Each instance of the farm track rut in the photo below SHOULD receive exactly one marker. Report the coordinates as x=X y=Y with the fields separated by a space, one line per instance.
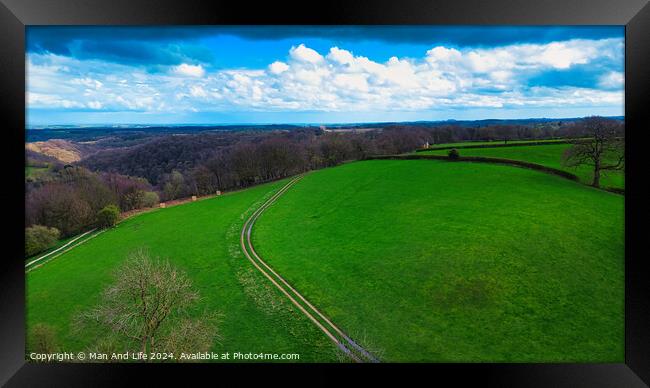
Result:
x=333 y=332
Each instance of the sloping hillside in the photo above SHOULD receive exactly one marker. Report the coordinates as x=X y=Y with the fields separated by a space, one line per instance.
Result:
x=200 y=238
x=455 y=262
x=62 y=150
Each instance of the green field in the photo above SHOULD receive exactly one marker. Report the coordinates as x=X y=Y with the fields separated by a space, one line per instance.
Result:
x=430 y=260
x=547 y=155
x=200 y=238
x=31 y=171
x=418 y=260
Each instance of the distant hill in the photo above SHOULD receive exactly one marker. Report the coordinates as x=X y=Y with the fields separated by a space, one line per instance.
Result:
x=84 y=134
x=467 y=123
x=92 y=133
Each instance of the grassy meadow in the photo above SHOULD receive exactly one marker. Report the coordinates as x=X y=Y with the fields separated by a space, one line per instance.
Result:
x=201 y=238
x=547 y=155
x=31 y=171
x=425 y=260
x=418 y=260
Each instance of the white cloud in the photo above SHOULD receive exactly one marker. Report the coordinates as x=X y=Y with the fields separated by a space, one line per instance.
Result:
x=443 y=78
x=303 y=53
x=88 y=82
x=51 y=100
x=340 y=56
x=278 y=67
x=612 y=80
x=351 y=81
x=95 y=105
x=311 y=76
x=197 y=91
x=189 y=70
x=561 y=55
x=443 y=54
x=522 y=57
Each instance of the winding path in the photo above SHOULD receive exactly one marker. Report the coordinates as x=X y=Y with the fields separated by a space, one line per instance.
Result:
x=340 y=339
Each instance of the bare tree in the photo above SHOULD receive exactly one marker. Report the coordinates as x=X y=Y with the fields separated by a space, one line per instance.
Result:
x=147 y=307
x=58 y=205
x=203 y=181
x=245 y=163
x=603 y=150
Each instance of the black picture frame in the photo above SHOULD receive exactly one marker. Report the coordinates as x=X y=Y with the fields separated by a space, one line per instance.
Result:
x=634 y=14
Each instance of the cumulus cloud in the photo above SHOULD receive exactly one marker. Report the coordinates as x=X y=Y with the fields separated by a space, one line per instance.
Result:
x=303 y=53
x=337 y=81
x=340 y=56
x=189 y=70
x=351 y=81
x=278 y=67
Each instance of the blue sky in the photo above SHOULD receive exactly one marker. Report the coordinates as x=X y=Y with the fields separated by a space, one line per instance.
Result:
x=309 y=74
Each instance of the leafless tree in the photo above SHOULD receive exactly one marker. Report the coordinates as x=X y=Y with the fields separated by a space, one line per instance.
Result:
x=58 y=205
x=603 y=150
x=203 y=181
x=147 y=307
x=245 y=163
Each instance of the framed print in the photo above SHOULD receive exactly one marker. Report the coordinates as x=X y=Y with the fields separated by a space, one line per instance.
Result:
x=376 y=188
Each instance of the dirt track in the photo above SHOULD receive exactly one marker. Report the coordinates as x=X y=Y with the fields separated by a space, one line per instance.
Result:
x=342 y=340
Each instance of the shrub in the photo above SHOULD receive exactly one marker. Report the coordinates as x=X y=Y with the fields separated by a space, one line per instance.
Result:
x=453 y=154
x=150 y=199
x=108 y=216
x=39 y=238
x=132 y=199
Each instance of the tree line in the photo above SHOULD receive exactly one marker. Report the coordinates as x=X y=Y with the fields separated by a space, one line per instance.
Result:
x=198 y=164
x=180 y=166
x=70 y=199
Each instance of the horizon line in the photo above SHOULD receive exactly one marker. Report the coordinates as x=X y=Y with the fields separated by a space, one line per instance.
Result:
x=100 y=125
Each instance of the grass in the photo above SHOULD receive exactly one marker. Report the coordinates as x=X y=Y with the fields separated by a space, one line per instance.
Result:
x=547 y=155
x=459 y=262
x=31 y=171
x=201 y=238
